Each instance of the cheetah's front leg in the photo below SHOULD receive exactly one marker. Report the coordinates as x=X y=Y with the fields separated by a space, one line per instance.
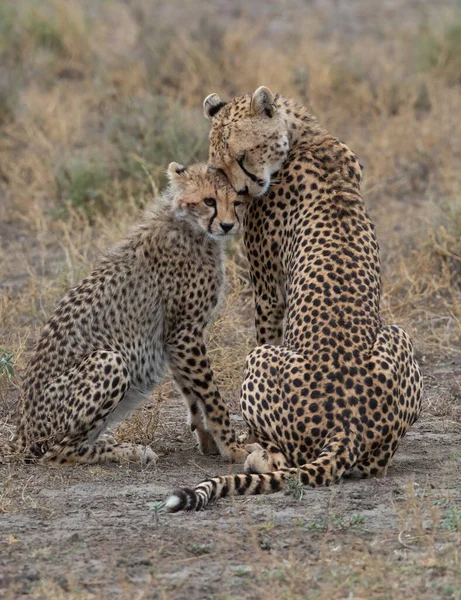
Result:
x=269 y=289
x=269 y=314
x=208 y=414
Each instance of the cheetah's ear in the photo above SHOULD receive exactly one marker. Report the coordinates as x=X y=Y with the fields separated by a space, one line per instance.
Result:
x=262 y=102
x=175 y=170
x=212 y=105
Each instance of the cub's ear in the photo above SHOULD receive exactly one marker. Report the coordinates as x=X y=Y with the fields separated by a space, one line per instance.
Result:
x=175 y=171
x=212 y=105
x=262 y=102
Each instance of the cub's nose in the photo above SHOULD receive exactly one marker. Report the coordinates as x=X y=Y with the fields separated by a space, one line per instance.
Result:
x=226 y=227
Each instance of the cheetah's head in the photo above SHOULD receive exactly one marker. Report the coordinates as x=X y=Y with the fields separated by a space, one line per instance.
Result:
x=248 y=139
x=203 y=197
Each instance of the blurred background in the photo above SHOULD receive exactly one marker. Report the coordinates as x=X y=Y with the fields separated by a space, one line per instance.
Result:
x=97 y=97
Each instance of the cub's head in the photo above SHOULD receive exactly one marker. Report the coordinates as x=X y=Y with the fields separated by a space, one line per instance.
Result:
x=203 y=197
x=248 y=139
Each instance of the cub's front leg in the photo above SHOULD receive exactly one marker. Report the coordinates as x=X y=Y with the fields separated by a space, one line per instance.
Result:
x=208 y=414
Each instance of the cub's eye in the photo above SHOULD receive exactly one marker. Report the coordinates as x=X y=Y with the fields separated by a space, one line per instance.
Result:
x=209 y=201
x=238 y=203
x=241 y=157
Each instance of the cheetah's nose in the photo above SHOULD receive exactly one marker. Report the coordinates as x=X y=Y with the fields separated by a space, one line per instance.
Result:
x=226 y=227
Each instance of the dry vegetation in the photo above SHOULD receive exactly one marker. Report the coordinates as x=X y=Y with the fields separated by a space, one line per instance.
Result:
x=97 y=97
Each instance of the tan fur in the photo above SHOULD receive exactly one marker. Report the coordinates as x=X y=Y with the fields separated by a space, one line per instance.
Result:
x=329 y=388
x=142 y=310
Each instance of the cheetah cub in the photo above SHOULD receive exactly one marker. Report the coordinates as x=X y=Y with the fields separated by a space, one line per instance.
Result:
x=142 y=310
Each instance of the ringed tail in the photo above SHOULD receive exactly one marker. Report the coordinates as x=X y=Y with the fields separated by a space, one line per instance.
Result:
x=330 y=465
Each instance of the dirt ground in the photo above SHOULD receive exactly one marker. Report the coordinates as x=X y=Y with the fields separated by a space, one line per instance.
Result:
x=87 y=532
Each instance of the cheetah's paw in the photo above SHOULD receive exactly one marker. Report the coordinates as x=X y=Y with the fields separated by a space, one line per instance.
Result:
x=259 y=461
x=255 y=447
x=236 y=454
x=146 y=455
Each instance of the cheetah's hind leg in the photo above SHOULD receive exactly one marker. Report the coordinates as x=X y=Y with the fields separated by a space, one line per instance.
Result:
x=397 y=378
x=85 y=400
x=103 y=450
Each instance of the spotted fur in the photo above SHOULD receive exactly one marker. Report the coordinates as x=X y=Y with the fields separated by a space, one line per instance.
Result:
x=329 y=389
x=142 y=310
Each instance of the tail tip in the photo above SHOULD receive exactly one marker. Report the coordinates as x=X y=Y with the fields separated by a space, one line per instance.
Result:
x=183 y=499
x=174 y=503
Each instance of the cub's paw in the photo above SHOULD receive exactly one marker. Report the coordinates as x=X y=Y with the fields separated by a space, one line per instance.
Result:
x=108 y=437
x=146 y=455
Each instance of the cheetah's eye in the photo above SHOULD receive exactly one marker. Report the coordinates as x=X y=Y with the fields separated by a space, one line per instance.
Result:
x=238 y=203
x=241 y=157
x=209 y=201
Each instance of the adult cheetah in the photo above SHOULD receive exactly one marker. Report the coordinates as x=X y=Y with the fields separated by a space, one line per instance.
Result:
x=329 y=389
x=144 y=308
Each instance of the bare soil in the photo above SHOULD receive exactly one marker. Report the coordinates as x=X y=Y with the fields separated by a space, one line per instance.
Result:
x=89 y=531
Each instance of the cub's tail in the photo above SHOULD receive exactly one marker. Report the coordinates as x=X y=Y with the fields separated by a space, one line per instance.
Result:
x=336 y=458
